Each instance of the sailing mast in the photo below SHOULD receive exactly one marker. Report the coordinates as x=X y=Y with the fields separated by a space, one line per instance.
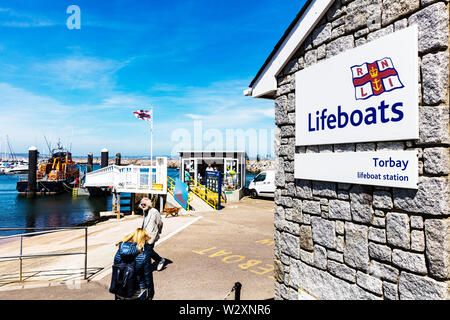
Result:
x=11 y=152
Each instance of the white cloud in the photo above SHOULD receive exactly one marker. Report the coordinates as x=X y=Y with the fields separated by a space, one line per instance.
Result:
x=220 y=105
x=193 y=116
x=80 y=72
x=122 y=100
x=14 y=19
x=27 y=116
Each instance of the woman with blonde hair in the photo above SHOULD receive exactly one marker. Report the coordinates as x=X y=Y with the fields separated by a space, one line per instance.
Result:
x=132 y=269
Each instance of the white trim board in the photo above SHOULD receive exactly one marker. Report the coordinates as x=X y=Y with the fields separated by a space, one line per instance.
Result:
x=266 y=83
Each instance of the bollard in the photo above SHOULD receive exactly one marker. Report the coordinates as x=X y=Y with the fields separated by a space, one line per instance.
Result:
x=237 y=291
x=104 y=160
x=90 y=162
x=161 y=203
x=114 y=201
x=132 y=202
x=118 y=158
x=32 y=168
x=118 y=205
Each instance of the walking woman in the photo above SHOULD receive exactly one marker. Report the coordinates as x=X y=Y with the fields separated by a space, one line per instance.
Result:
x=134 y=252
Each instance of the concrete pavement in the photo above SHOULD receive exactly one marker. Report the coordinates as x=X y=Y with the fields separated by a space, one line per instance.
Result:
x=219 y=250
x=101 y=249
x=207 y=258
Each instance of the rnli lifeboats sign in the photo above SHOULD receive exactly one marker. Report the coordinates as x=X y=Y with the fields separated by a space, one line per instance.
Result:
x=369 y=93
x=381 y=168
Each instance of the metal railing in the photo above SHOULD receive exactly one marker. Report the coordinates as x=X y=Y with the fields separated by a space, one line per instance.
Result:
x=170 y=185
x=208 y=196
x=22 y=256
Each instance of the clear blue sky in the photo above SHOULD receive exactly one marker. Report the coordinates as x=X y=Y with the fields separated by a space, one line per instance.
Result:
x=191 y=60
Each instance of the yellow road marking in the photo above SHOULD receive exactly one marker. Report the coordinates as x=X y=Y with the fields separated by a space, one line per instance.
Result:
x=235 y=258
x=227 y=259
x=220 y=253
x=203 y=251
x=265 y=270
x=269 y=242
x=249 y=264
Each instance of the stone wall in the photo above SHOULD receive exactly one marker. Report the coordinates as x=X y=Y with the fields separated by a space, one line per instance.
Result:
x=343 y=241
x=254 y=166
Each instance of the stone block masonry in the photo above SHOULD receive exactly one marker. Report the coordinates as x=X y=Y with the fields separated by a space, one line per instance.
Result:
x=343 y=241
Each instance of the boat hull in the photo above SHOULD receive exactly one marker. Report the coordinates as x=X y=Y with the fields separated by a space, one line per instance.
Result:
x=16 y=171
x=45 y=187
x=98 y=191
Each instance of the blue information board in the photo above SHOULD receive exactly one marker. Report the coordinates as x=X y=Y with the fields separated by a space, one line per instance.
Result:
x=214 y=183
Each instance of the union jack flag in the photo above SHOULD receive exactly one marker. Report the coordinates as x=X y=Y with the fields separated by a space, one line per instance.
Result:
x=145 y=115
x=373 y=79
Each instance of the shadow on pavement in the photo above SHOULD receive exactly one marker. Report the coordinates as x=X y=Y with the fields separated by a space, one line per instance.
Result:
x=59 y=275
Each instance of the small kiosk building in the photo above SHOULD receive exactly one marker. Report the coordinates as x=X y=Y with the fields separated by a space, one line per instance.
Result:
x=230 y=164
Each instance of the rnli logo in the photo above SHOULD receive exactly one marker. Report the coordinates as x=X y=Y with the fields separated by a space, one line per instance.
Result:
x=373 y=79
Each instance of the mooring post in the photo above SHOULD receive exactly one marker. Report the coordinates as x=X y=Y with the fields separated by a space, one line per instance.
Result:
x=104 y=160
x=132 y=204
x=237 y=291
x=32 y=168
x=118 y=159
x=114 y=202
x=161 y=204
x=90 y=162
x=118 y=206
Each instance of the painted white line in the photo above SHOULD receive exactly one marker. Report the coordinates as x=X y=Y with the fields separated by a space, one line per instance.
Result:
x=108 y=269
x=170 y=235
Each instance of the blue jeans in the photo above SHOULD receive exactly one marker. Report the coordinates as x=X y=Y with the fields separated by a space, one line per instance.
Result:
x=153 y=253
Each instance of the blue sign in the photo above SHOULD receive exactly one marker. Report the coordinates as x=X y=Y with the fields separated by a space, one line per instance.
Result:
x=214 y=183
x=181 y=193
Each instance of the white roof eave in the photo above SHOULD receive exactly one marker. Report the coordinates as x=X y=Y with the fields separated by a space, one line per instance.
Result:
x=266 y=84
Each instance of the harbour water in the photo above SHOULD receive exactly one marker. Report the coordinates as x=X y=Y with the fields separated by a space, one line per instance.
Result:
x=51 y=211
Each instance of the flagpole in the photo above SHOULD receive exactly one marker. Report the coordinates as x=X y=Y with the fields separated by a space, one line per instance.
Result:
x=151 y=138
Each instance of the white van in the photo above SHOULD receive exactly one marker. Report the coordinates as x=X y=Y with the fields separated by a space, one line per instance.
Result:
x=263 y=185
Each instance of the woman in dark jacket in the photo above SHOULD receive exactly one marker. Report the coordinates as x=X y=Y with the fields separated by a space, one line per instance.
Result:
x=135 y=247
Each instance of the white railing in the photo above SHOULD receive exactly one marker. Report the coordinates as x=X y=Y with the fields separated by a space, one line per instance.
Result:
x=104 y=177
x=135 y=179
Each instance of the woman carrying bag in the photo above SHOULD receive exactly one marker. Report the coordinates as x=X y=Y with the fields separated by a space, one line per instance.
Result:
x=132 y=277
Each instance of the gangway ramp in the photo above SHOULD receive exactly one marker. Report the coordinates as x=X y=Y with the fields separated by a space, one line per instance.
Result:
x=201 y=193
x=200 y=199
x=195 y=203
x=199 y=205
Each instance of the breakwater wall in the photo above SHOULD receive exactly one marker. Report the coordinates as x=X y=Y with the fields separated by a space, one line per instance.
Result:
x=253 y=166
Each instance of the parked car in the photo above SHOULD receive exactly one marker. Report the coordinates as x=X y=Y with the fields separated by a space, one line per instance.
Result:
x=263 y=185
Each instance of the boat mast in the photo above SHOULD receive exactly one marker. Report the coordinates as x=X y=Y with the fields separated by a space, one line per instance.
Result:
x=4 y=153
x=49 y=146
x=11 y=152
